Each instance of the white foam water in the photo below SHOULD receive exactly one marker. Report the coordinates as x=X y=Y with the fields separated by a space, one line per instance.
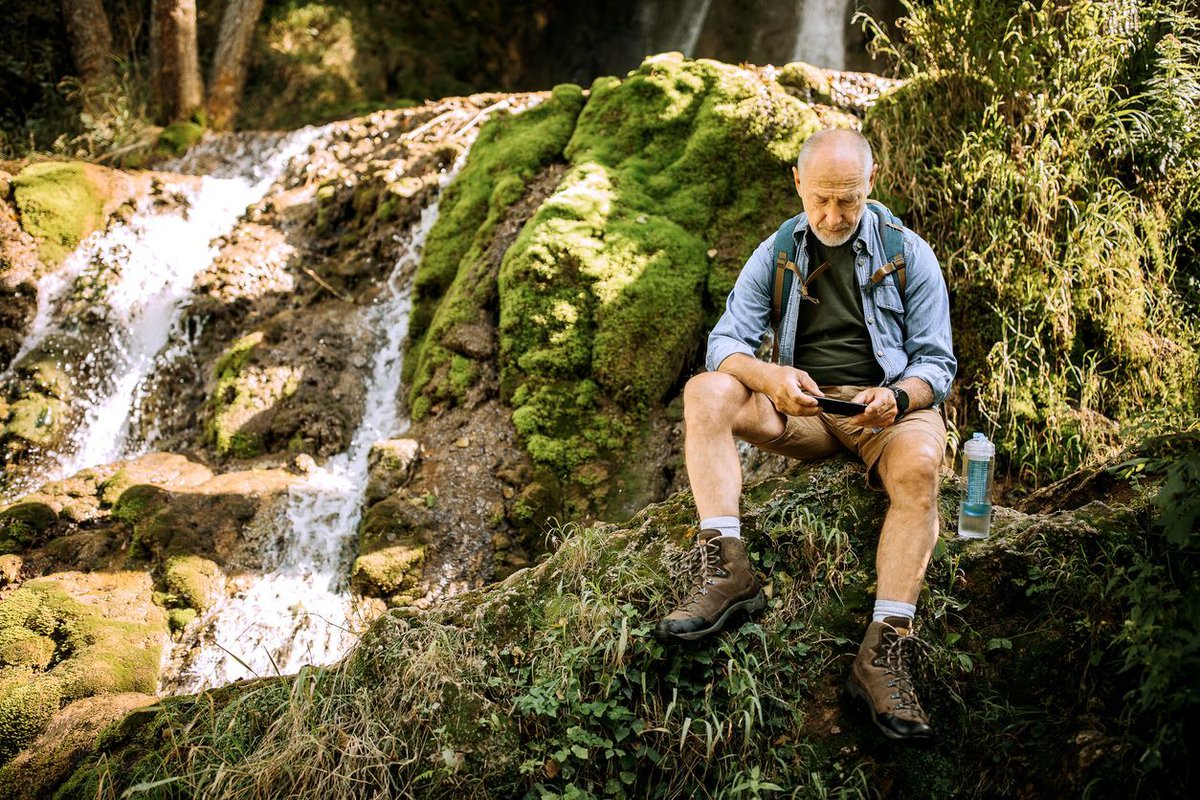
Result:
x=301 y=610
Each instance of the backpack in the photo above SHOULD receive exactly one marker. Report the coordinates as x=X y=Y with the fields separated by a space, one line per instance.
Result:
x=786 y=271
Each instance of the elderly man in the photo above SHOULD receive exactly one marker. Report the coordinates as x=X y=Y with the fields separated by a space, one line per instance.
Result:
x=852 y=327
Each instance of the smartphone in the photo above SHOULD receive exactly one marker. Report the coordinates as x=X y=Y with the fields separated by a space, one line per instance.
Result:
x=842 y=408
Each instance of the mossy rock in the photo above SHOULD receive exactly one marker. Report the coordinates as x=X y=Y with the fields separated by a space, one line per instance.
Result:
x=806 y=82
x=178 y=137
x=673 y=176
x=61 y=203
x=195 y=581
x=180 y=618
x=32 y=651
x=388 y=570
x=80 y=635
x=137 y=502
x=25 y=525
x=27 y=705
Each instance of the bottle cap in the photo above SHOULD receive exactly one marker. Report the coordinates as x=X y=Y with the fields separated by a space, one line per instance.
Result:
x=979 y=447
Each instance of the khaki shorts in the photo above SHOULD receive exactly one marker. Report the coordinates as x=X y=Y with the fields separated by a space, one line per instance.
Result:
x=820 y=436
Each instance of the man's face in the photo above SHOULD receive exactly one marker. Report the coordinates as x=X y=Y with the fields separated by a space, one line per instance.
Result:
x=834 y=190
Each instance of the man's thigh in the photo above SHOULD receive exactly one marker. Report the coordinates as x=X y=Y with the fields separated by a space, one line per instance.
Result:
x=795 y=437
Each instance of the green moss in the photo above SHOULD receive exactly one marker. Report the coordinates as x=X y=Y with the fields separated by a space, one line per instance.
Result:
x=452 y=278
x=180 y=618
x=32 y=651
x=136 y=502
x=35 y=419
x=388 y=570
x=25 y=525
x=26 y=705
x=232 y=401
x=196 y=581
x=178 y=137
x=60 y=204
x=87 y=650
x=602 y=297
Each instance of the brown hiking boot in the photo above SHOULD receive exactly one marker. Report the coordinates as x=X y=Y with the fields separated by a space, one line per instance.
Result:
x=725 y=586
x=882 y=676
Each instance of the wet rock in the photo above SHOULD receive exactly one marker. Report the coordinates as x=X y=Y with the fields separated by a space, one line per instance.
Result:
x=390 y=465
x=392 y=541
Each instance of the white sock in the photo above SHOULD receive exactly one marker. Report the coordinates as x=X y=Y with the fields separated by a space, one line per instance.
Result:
x=728 y=526
x=893 y=608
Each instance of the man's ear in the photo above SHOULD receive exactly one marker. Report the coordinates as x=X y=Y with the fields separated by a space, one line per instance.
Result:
x=796 y=177
x=871 y=178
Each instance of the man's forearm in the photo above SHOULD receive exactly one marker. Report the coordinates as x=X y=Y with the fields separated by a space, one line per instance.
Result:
x=920 y=393
x=754 y=374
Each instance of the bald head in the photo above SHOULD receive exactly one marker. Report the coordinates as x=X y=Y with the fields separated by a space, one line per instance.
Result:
x=848 y=149
x=834 y=175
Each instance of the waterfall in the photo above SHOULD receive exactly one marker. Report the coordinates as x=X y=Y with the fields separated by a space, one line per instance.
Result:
x=821 y=33
x=146 y=267
x=300 y=611
x=675 y=25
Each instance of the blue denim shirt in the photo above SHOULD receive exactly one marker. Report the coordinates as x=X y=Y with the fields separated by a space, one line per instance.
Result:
x=910 y=339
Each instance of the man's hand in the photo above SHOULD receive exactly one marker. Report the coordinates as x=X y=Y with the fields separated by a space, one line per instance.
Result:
x=792 y=390
x=881 y=407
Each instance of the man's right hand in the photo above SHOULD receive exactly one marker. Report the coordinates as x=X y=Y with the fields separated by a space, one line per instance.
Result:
x=792 y=390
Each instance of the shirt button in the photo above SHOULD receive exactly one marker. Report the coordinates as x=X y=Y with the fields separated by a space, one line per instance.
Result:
x=870 y=320
x=879 y=353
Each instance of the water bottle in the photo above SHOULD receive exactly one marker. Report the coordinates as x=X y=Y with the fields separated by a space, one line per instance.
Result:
x=975 y=511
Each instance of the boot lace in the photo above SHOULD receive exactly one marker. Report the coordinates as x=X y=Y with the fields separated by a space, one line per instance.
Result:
x=899 y=653
x=709 y=556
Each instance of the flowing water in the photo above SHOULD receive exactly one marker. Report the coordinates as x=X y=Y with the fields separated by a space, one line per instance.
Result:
x=142 y=271
x=821 y=33
x=301 y=611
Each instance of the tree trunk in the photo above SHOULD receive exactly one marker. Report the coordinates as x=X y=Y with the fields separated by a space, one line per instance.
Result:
x=228 y=74
x=174 y=59
x=91 y=40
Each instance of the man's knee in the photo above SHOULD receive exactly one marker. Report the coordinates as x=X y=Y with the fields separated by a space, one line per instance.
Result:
x=712 y=396
x=911 y=469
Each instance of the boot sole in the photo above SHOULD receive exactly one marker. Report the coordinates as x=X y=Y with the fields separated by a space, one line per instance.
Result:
x=857 y=692
x=749 y=605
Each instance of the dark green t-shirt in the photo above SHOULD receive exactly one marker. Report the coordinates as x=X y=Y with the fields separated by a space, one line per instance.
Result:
x=832 y=344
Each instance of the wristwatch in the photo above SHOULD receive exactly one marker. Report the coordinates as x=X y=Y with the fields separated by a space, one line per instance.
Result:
x=901 y=400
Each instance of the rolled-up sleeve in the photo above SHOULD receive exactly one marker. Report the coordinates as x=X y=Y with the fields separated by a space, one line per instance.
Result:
x=928 y=340
x=747 y=314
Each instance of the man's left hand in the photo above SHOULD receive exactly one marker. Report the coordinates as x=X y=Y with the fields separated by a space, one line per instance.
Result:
x=881 y=407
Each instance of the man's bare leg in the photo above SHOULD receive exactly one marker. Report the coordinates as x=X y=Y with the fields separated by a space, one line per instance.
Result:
x=909 y=468
x=718 y=408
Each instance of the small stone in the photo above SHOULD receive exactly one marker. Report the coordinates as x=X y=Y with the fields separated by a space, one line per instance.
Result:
x=712 y=253
x=10 y=570
x=303 y=463
x=509 y=493
x=462 y=442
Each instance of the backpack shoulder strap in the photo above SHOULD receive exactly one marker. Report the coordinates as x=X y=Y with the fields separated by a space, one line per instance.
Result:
x=785 y=272
x=891 y=230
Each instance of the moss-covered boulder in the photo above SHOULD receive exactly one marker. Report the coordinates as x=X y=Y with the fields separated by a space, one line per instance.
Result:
x=673 y=175
x=23 y=525
x=291 y=385
x=390 y=465
x=72 y=635
x=393 y=538
x=61 y=203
